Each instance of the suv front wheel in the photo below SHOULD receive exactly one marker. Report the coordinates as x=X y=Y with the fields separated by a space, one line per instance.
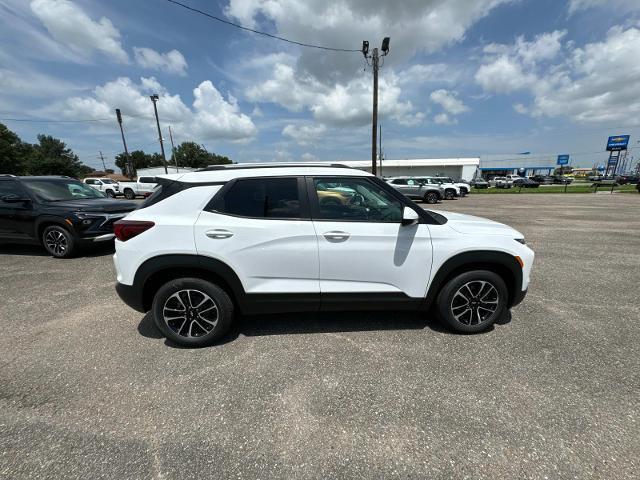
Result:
x=472 y=301
x=431 y=197
x=58 y=241
x=192 y=312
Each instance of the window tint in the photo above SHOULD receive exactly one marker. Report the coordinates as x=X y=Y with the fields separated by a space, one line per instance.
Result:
x=355 y=199
x=10 y=188
x=262 y=198
x=90 y=182
x=146 y=180
x=399 y=181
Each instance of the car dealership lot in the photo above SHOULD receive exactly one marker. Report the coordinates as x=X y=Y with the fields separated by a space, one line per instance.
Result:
x=89 y=389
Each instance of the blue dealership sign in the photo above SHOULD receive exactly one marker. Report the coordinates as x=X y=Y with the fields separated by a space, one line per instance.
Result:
x=618 y=142
x=563 y=159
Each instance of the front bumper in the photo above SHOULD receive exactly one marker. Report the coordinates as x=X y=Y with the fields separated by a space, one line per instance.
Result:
x=518 y=297
x=130 y=295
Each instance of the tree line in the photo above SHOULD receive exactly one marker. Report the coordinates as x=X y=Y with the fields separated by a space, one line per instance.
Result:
x=187 y=154
x=51 y=156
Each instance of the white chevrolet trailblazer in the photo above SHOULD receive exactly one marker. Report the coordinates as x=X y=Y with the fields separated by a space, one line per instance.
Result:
x=306 y=237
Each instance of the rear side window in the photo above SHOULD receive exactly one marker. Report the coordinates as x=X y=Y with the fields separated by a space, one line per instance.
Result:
x=147 y=180
x=261 y=198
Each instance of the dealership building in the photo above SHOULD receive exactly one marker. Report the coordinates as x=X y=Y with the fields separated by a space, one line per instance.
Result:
x=448 y=167
x=524 y=165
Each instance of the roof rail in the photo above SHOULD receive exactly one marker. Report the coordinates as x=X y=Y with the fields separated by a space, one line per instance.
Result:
x=6 y=175
x=244 y=166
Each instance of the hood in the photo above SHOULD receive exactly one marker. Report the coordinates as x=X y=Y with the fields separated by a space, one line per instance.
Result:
x=468 y=224
x=106 y=205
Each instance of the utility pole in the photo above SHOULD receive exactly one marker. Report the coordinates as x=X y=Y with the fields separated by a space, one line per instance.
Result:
x=126 y=152
x=154 y=98
x=104 y=167
x=375 y=65
x=380 y=149
x=173 y=149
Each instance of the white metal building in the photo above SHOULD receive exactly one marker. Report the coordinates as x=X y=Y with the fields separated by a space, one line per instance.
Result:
x=153 y=171
x=449 y=167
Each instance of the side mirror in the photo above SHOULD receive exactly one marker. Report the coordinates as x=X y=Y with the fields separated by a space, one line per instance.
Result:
x=409 y=216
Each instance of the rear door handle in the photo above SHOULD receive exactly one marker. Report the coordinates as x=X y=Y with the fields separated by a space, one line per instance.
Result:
x=218 y=234
x=336 y=236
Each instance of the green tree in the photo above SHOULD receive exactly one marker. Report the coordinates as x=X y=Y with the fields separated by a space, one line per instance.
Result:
x=51 y=156
x=190 y=154
x=13 y=152
x=139 y=159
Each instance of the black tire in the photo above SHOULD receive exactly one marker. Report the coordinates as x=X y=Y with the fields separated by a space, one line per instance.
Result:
x=431 y=197
x=197 y=329
x=58 y=241
x=129 y=194
x=451 y=304
x=110 y=194
x=449 y=194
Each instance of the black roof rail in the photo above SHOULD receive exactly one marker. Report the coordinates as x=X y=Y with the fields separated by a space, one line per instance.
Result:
x=244 y=166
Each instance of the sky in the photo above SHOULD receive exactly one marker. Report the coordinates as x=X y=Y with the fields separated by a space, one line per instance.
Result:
x=462 y=78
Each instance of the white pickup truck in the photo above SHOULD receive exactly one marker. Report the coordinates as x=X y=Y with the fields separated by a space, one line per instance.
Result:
x=143 y=187
x=109 y=187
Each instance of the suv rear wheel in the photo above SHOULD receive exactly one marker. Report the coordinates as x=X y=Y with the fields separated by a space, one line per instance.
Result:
x=192 y=312
x=472 y=301
x=431 y=197
x=449 y=194
x=58 y=241
x=129 y=194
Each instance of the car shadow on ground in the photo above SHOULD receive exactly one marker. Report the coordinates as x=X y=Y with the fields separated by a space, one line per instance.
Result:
x=319 y=323
x=91 y=251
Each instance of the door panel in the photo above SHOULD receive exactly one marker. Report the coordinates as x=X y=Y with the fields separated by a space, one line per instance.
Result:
x=362 y=245
x=251 y=227
x=16 y=219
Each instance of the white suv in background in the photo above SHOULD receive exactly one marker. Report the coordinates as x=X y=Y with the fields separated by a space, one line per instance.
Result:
x=286 y=238
x=105 y=185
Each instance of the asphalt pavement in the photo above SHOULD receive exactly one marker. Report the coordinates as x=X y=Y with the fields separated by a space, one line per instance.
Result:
x=89 y=389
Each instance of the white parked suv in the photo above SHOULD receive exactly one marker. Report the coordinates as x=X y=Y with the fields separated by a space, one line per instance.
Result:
x=287 y=237
x=109 y=187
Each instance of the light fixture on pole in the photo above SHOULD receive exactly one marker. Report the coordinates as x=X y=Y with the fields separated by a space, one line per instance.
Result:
x=375 y=65
x=154 y=98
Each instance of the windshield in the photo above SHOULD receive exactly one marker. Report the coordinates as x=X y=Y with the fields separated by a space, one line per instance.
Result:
x=60 y=190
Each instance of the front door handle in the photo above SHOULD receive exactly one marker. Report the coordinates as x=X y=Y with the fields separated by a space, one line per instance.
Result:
x=336 y=236
x=218 y=234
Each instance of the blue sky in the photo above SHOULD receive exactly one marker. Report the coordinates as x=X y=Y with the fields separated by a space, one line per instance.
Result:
x=464 y=77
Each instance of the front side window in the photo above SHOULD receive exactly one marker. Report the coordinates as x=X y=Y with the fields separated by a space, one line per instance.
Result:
x=262 y=198
x=146 y=180
x=400 y=181
x=107 y=181
x=61 y=190
x=355 y=199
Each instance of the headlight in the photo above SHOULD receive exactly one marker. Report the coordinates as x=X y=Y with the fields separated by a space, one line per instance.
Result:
x=520 y=240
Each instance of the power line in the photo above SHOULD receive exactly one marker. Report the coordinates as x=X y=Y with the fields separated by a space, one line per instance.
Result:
x=276 y=37
x=47 y=120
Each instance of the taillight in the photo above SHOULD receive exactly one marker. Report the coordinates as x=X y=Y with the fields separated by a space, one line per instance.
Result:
x=126 y=229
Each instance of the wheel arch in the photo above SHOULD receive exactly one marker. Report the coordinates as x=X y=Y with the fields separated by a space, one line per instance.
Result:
x=155 y=272
x=503 y=264
x=44 y=222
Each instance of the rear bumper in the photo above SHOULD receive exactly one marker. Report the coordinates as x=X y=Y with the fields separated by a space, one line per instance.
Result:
x=130 y=295
x=519 y=297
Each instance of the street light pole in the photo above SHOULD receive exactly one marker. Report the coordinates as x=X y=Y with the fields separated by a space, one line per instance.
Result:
x=173 y=150
x=124 y=142
x=375 y=65
x=154 y=99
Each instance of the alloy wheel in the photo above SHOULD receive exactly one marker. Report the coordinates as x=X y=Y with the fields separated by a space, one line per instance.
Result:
x=56 y=242
x=190 y=313
x=474 y=302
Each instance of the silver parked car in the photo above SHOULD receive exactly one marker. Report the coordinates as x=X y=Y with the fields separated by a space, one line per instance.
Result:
x=416 y=190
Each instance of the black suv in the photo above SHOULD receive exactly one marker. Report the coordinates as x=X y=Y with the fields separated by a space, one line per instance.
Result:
x=59 y=213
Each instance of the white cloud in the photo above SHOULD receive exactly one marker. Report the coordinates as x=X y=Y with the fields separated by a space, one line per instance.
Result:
x=593 y=84
x=309 y=157
x=212 y=117
x=444 y=119
x=285 y=89
x=345 y=23
x=69 y=25
x=503 y=75
x=449 y=101
x=304 y=134
x=170 y=62
x=627 y=5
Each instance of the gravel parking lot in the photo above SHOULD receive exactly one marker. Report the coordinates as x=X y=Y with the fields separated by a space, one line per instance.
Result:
x=89 y=389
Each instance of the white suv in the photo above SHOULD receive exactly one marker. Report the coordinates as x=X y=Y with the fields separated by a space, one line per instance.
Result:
x=283 y=238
